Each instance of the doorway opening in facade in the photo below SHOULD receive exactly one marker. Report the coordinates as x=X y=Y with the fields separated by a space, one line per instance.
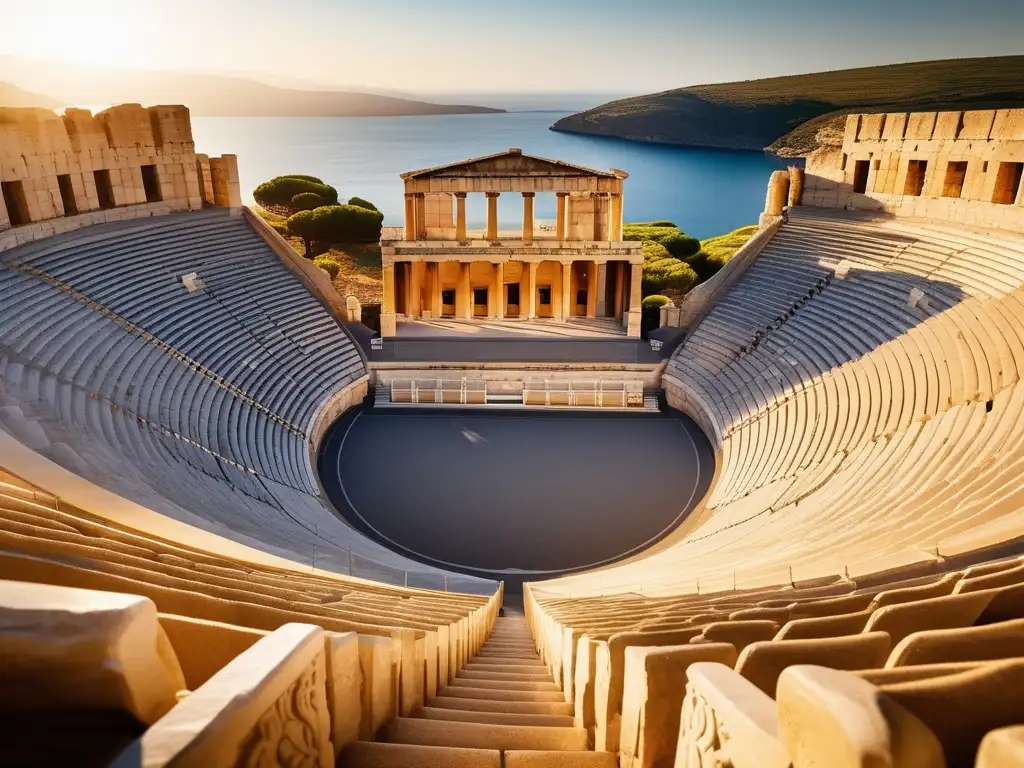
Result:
x=479 y=302
x=1007 y=183
x=17 y=206
x=67 y=194
x=860 y=176
x=953 y=184
x=512 y=307
x=916 y=170
x=151 y=183
x=104 y=189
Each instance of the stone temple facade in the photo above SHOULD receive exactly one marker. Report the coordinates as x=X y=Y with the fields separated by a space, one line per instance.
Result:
x=579 y=268
x=964 y=167
x=62 y=171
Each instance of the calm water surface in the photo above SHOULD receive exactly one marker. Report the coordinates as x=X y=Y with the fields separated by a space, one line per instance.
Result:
x=706 y=192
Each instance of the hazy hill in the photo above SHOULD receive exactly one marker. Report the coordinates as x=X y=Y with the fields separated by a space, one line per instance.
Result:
x=208 y=95
x=755 y=114
x=13 y=96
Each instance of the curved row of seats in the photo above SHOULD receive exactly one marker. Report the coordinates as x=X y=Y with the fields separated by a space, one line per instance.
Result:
x=402 y=645
x=763 y=668
x=199 y=405
x=874 y=425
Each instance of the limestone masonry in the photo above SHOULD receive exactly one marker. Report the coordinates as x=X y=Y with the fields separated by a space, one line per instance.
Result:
x=965 y=167
x=54 y=166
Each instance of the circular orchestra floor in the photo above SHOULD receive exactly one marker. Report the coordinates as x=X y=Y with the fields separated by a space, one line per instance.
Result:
x=534 y=491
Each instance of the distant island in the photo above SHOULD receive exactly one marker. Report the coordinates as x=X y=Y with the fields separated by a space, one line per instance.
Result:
x=210 y=95
x=794 y=115
x=13 y=96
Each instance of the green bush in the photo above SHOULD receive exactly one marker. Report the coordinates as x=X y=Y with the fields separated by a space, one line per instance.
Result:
x=307 y=201
x=662 y=271
x=281 y=189
x=328 y=265
x=679 y=245
x=360 y=203
x=306 y=177
x=336 y=224
x=663 y=223
x=715 y=252
x=655 y=301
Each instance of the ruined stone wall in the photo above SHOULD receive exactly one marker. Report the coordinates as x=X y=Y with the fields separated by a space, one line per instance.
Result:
x=960 y=166
x=76 y=164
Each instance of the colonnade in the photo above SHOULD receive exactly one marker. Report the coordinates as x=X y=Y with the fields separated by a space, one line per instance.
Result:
x=525 y=290
x=611 y=231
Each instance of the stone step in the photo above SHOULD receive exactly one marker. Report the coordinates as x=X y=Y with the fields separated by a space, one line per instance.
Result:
x=445 y=733
x=495 y=718
x=461 y=692
x=501 y=653
x=505 y=685
x=512 y=666
x=519 y=643
x=520 y=758
x=493 y=705
x=375 y=754
x=501 y=662
x=537 y=676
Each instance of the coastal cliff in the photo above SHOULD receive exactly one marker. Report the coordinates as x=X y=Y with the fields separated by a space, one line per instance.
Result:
x=786 y=114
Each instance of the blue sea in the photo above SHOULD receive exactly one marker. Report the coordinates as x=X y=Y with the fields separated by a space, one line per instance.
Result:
x=706 y=192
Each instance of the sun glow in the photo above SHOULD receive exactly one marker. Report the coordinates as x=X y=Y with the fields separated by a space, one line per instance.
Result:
x=98 y=32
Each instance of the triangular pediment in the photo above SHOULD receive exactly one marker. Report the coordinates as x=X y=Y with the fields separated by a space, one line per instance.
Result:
x=512 y=163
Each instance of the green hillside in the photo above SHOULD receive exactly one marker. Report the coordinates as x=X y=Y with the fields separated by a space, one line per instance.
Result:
x=755 y=114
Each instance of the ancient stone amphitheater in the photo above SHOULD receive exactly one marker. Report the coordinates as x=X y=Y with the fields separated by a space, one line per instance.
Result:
x=178 y=591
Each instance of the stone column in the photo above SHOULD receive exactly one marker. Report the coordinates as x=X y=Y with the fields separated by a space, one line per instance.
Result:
x=421 y=216
x=460 y=216
x=615 y=224
x=531 y=292
x=601 y=305
x=620 y=288
x=560 y=197
x=528 y=218
x=599 y=200
x=592 y=289
x=499 y=289
x=434 y=282
x=776 y=198
x=414 y=283
x=635 y=281
x=410 y=216
x=492 y=216
x=568 y=300
x=464 y=293
x=388 y=322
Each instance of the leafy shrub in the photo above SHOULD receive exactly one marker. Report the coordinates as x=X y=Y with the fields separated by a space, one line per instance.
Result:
x=715 y=252
x=281 y=189
x=306 y=177
x=307 y=201
x=277 y=222
x=663 y=223
x=336 y=224
x=679 y=245
x=655 y=301
x=360 y=203
x=662 y=271
x=328 y=265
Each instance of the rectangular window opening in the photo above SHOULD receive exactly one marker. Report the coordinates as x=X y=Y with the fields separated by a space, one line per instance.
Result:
x=151 y=183
x=860 y=176
x=479 y=295
x=1007 y=183
x=581 y=296
x=916 y=170
x=15 y=202
x=545 y=295
x=448 y=296
x=67 y=194
x=104 y=189
x=953 y=184
x=513 y=293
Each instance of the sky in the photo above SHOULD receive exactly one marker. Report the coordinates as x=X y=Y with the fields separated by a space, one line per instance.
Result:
x=514 y=45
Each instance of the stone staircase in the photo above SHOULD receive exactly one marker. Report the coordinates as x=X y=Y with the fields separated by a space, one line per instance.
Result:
x=502 y=710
